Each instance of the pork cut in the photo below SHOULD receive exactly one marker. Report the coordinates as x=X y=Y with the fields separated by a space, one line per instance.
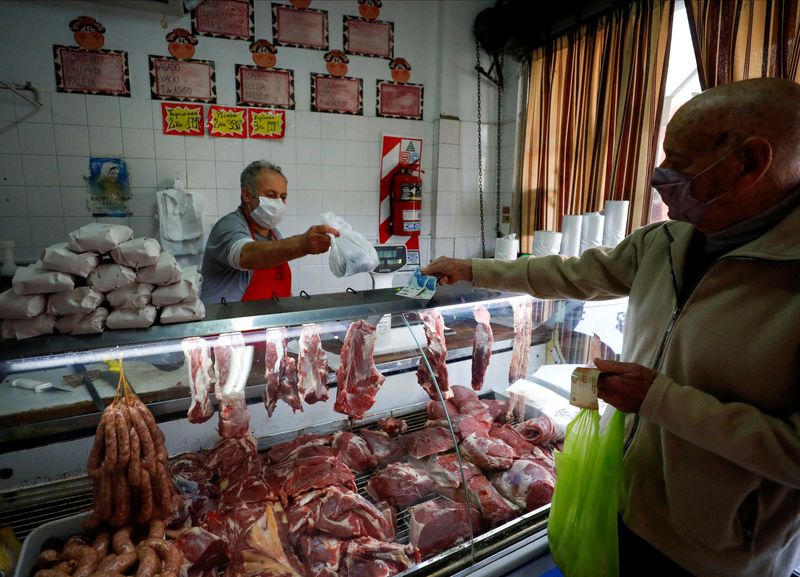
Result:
x=357 y=378
x=366 y=557
x=342 y=514
x=487 y=453
x=232 y=361
x=312 y=363
x=273 y=355
x=288 y=379
x=436 y=354
x=429 y=441
x=197 y=355
x=400 y=485
x=527 y=483
x=440 y=523
x=523 y=328
x=353 y=451
x=481 y=346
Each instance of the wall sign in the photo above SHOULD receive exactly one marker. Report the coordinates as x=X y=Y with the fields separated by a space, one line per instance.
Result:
x=398 y=100
x=185 y=80
x=108 y=187
x=92 y=71
x=307 y=28
x=265 y=123
x=368 y=38
x=339 y=95
x=227 y=121
x=225 y=19
x=264 y=87
x=182 y=119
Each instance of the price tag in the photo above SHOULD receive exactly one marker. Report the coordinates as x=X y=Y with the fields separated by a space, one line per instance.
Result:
x=266 y=123
x=227 y=121
x=182 y=119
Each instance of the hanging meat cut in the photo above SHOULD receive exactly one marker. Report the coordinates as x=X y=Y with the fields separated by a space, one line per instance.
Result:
x=273 y=355
x=312 y=363
x=523 y=327
x=357 y=379
x=436 y=353
x=287 y=380
x=197 y=356
x=481 y=347
x=232 y=360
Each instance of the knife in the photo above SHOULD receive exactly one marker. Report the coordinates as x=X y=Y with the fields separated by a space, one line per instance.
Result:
x=80 y=369
x=39 y=386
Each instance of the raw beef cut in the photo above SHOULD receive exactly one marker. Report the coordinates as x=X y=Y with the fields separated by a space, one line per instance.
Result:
x=441 y=523
x=232 y=360
x=384 y=448
x=264 y=548
x=481 y=347
x=313 y=366
x=527 y=484
x=228 y=454
x=541 y=430
x=353 y=451
x=283 y=451
x=400 y=485
x=273 y=355
x=523 y=328
x=287 y=380
x=342 y=514
x=436 y=353
x=392 y=426
x=487 y=453
x=437 y=411
x=500 y=411
x=202 y=549
x=446 y=472
x=463 y=426
x=312 y=467
x=366 y=557
x=495 y=508
x=197 y=356
x=357 y=379
x=511 y=437
x=428 y=441
x=466 y=401
x=321 y=554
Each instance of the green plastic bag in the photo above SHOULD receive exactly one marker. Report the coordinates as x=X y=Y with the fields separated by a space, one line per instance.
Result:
x=582 y=526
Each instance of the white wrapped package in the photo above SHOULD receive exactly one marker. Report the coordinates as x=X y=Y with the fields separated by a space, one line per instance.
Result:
x=130 y=297
x=108 y=277
x=140 y=318
x=90 y=323
x=100 y=238
x=35 y=280
x=165 y=271
x=185 y=290
x=80 y=300
x=137 y=252
x=183 y=312
x=59 y=257
x=64 y=324
x=26 y=328
x=14 y=306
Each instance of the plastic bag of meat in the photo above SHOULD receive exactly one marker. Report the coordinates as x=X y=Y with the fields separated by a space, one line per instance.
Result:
x=60 y=258
x=137 y=252
x=14 y=306
x=35 y=280
x=582 y=526
x=99 y=238
x=350 y=252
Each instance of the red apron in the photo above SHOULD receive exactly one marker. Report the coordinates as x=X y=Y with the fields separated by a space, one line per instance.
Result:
x=267 y=282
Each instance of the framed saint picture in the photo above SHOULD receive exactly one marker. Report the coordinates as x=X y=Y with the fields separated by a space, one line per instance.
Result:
x=396 y=100
x=368 y=38
x=307 y=28
x=183 y=80
x=92 y=71
x=272 y=87
x=225 y=19
x=341 y=95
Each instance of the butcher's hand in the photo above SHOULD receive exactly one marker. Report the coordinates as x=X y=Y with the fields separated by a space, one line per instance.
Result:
x=624 y=385
x=449 y=270
x=316 y=239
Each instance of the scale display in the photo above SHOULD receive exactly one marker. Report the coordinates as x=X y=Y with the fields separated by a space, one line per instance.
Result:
x=391 y=258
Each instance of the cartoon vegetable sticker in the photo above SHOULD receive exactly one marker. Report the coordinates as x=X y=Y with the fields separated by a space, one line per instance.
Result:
x=401 y=70
x=88 y=32
x=369 y=9
x=336 y=63
x=181 y=43
x=263 y=53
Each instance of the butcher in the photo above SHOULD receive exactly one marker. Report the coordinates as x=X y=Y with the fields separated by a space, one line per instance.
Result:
x=246 y=258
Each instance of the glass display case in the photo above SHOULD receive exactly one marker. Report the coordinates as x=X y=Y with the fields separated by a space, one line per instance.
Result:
x=435 y=421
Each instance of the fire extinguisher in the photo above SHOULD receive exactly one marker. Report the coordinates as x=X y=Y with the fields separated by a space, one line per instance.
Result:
x=406 y=201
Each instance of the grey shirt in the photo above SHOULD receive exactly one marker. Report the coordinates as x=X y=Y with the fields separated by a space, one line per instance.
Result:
x=222 y=275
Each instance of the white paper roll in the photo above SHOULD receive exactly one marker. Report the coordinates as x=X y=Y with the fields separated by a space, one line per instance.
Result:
x=615 y=222
x=571 y=234
x=506 y=248
x=546 y=242
x=591 y=230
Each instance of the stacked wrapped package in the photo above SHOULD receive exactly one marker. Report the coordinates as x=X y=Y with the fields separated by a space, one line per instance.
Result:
x=101 y=278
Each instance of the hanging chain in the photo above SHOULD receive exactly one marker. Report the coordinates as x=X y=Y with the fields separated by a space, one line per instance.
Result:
x=498 y=234
x=480 y=151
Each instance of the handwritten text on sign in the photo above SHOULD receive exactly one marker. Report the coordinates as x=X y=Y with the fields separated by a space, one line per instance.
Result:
x=91 y=71
x=174 y=79
x=265 y=123
x=185 y=119
x=227 y=121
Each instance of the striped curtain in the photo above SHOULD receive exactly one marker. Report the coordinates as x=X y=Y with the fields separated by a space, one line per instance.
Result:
x=594 y=105
x=740 y=39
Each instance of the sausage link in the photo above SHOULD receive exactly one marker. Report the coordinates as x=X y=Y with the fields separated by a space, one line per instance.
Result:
x=121 y=541
x=98 y=449
x=149 y=562
x=122 y=500
x=155 y=432
x=107 y=573
x=117 y=563
x=165 y=490
x=158 y=529
x=146 y=506
x=123 y=437
x=170 y=555
x=85 y=556
x=105 y=497
x=63 y=569
x=101 y=544
x=148 y=450
x=135 y=464
x=110 y=460
x=47 y=559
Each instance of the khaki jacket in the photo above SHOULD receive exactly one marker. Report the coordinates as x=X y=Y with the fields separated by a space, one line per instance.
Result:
x=711 y=471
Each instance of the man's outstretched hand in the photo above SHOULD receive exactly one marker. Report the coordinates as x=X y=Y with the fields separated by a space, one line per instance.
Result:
x=449 y=270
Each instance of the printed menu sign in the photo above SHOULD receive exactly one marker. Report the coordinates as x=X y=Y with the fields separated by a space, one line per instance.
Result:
x=186 y=80
x=182 y=119
x=227 y=121
x=264 y=87
x=91 y=71
x=266 y=123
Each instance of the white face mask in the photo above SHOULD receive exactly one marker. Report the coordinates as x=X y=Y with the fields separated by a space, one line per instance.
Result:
x=269 y=212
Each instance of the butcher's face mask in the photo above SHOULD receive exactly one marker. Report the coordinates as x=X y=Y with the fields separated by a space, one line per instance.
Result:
x=269 y=212
x=675 y=189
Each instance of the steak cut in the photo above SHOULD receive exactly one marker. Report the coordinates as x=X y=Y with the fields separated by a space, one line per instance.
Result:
x=436 y=354
x=232 y=360
x=197 y=355
x=273 y=357
x=357 y=378
x=312 y=363
x=481 y=346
